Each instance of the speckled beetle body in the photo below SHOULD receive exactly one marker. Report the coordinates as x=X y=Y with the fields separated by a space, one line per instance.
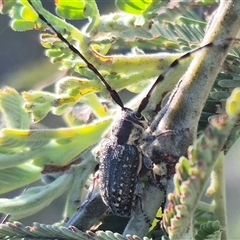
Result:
x=120 y=162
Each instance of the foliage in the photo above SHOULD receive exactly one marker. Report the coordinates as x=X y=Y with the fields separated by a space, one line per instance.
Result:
x=149 y=26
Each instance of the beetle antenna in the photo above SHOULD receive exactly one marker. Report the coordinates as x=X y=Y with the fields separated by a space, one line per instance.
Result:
x=112 y=92
x=145 y=100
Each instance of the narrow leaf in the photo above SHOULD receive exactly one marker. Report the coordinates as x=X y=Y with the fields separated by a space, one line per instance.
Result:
x=48 y=146
x=35 y=199
x=16 y=177
x=11 y=107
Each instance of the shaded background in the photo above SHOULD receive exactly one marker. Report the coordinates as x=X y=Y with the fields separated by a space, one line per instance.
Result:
x=21 y=52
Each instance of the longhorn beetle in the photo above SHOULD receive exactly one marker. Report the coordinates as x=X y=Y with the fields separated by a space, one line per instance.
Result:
x=120 y=155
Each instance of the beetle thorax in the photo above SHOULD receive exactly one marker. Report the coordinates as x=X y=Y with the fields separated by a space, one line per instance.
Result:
x=129 y=128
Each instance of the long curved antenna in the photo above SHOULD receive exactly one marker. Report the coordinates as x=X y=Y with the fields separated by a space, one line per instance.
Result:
x=112 y=92
x=145 y=100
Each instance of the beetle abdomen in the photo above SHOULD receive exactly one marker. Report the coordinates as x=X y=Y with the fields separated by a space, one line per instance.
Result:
x=118 y=173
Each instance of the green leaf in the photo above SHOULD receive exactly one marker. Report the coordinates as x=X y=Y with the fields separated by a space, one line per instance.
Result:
x=71 y=9
x=28 y=14
x=11 y=107
x=16 y=177
x=22 y=25
x=47 y=146
x=133 y=6
x=36 y=198
x=210 y=230
x=38 y=103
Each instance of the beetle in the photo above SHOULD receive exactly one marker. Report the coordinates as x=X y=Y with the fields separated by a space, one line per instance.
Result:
x=120 y=155
x=121 y=161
